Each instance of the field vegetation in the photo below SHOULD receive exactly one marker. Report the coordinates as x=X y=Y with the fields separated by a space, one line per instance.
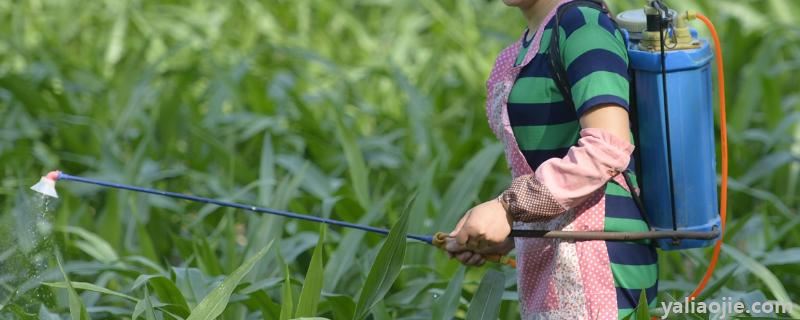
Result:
x=368 y=111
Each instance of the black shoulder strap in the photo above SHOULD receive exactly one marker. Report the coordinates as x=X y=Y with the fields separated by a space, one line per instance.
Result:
x=554 y=51
x=560 y=77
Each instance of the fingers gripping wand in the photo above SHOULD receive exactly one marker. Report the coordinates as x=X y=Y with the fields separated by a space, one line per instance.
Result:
x=47 y=184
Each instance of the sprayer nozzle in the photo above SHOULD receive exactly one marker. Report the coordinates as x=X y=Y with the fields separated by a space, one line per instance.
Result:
x=53 y=175
x=46 y=186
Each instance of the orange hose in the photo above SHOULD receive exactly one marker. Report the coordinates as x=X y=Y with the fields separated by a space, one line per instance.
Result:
x=723 y=133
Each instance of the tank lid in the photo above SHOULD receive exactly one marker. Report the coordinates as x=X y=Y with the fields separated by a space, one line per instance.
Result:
x=635 y=20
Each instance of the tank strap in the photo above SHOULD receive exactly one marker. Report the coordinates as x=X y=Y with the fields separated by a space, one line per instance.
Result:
x=637 y=199
x=559 y=73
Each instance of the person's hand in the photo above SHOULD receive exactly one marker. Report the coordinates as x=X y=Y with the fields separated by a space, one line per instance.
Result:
x=473 y=258
x=482 y=227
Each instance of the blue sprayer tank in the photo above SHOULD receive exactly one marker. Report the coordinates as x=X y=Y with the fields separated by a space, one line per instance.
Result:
x=691 y=136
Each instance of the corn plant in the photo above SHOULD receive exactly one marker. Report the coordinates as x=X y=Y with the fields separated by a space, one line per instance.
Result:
x=340 y=109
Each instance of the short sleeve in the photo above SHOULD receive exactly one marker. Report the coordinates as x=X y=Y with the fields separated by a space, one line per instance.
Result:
x=595 y=58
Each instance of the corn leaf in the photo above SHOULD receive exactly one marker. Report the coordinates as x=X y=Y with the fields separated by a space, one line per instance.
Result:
x=355 y=161
x=216 y=301
x=486 y=302
x=386 y=266
x=312 y=286
x=77 y=310
x=447 y=304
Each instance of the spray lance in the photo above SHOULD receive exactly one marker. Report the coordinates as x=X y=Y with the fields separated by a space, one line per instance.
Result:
x=46 y=186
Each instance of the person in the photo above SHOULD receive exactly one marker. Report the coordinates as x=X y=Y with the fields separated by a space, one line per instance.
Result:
x=566 y=158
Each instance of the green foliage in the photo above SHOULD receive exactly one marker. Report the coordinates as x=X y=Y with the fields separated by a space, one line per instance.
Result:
x=216 y=300
x=335 y=108
x=385 y=268
x=77 y=310
x=486 y=302
x=312 y=286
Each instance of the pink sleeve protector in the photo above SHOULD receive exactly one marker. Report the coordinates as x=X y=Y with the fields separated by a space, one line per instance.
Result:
x=560 y=184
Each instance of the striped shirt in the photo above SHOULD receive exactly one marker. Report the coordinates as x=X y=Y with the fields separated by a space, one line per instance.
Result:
x=546 y=126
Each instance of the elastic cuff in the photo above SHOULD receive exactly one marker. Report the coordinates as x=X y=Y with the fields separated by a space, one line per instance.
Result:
x=528 y=200
x=625 y=146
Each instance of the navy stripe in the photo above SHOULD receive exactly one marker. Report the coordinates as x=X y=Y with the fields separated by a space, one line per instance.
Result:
x=621 y=207
x=538 y=67
x=632 y=165
x=536 y=114
x=604 y=21
x=525 y=41
x=629 y=253
x=536 y=157
x=572 y=20
x=629 y=298
x=601 y=99
x=550 y=24
x=596 y=60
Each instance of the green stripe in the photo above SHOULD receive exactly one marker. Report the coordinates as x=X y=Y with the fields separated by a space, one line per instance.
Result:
x=544 y=44
x=521 y=56
x=590 y=36
x=626 y=312
x=623 y=224
x=600 y=83
x=630 y=276
x=634 y=179
x=614 y=189
x=547 y=137
x=590 y=16
x=535 y=90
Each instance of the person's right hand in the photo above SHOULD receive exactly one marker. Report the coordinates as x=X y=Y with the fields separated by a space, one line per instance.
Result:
x=475 y=257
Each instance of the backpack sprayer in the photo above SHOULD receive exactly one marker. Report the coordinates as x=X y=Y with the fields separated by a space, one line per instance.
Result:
x=670 y=68
x=672 y=119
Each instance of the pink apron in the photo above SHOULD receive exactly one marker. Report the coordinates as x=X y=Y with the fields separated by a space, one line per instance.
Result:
x=556 y=279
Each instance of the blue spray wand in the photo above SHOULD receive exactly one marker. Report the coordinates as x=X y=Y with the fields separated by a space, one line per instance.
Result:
x=46 y=186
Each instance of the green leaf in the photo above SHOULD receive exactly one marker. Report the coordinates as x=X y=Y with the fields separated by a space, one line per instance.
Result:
x=144 y=306
x=90 y=287
x=642 y=309
x=464 y=188
x=77 y=310
x=386 y=267
x=447 y=304
x=767 y=165
x=92 y=244
x=716 y=285
x=341 y=259
x=775 y=286
x=287 y=301
x=486 y=302
x=312 y=286
x=216 y=301
x=205 y=257
x=19 y=312
x=165 y=290
x=259 y=300
x=355 y=161
x=342 y=306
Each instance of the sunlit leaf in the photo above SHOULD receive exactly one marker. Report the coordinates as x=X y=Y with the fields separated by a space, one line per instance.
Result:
x=216 y=301
x=312 y=286
x=485 y=303
x=386 y=267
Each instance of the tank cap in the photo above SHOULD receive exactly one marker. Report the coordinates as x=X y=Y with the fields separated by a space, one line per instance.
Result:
x=635 y=20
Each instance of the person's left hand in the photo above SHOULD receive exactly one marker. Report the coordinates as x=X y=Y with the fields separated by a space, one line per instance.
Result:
x=476 y=258
x=484 y=226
